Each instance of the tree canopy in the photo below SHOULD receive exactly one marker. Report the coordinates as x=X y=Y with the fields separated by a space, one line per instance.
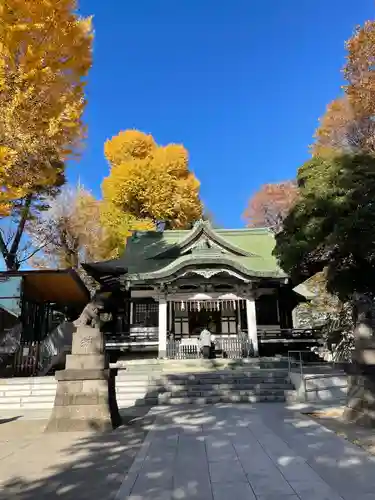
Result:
x=45 y=56
x=347 y=126
x=69 y=232
x=270 y=205
x=332 y=224
x=149 y=183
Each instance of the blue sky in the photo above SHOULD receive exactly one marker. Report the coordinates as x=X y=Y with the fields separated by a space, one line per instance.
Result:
x=241 y=84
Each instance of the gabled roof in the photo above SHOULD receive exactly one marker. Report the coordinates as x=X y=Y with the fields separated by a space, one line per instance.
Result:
x=154 y=255
x=203 y=231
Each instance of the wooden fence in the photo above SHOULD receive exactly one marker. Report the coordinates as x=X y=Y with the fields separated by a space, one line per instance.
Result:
x=25 y=362
x=233 y=348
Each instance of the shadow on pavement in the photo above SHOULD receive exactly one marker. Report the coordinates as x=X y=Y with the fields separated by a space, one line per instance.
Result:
x=265 y=444
x=6 y=420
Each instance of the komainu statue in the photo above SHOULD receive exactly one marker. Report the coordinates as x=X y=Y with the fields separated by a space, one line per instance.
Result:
x=90 y=316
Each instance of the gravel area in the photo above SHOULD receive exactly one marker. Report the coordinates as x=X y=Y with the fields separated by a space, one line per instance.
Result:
x=357 y=434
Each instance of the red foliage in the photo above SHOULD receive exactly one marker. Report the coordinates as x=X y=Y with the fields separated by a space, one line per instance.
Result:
x=270 y=205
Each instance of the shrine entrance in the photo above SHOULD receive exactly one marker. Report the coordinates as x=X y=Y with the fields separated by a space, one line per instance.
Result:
x=198 y=320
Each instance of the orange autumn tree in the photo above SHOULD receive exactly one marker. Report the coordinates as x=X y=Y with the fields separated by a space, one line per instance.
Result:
x=348 y=125
x=359 y=70
x=45 y=56
x=270 y=205
x=148 y=184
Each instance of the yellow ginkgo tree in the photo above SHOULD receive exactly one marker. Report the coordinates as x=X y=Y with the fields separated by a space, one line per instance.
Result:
x=148 y=184
x=45 y=56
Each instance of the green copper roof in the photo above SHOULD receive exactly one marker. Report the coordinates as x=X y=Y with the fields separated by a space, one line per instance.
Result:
x=153 y=255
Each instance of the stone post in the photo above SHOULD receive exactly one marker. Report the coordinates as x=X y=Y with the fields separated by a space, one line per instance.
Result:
x=360 y=406
x=85 y=395
x=252 y=323
x=162 y=327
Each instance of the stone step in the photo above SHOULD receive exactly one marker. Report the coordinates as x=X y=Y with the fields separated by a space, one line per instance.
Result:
x=203 y=376
x=133 y=380
x=27 y=380
x=127 y=403
x=260 y=398
x=137 y=390
x=27 y=391
x=231 y=373
x=25 y=400
x=219 y=393
x=28 y=387
x=220 y=380
x=29 y=406
x=226 y=387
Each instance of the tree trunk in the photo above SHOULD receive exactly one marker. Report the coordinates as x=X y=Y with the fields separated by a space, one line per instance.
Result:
x=10 y=255
x=360 y=405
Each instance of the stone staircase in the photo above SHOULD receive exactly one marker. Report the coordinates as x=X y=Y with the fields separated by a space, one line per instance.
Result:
x=184 y=384
x=224 y=387
x=29 y=393
x=149 y=384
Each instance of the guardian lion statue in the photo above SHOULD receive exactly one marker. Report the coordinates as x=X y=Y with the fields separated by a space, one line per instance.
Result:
x=90 y=316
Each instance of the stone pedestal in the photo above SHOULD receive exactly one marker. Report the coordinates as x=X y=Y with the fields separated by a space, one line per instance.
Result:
x=85 y=395
x=360 y=406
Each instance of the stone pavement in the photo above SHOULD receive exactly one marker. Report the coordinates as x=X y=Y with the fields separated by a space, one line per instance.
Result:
x=221 y=452
x=252 y=452
x=64 y=466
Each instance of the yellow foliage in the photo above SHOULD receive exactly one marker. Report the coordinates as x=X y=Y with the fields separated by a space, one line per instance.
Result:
x=150 y=182
x=45 y=55
x=120 y=226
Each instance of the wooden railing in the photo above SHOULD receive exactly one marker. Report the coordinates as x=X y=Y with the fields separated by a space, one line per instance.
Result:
x=233 y=348
x=291 y=335
x=134 y=336
x=150 y=336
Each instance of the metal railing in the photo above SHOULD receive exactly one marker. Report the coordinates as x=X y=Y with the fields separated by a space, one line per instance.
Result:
x=301 y=363
x=295 y=361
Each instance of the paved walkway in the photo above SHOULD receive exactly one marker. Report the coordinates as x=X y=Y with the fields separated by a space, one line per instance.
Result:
x=63 y=466
x=223 y=452
x=262 y=452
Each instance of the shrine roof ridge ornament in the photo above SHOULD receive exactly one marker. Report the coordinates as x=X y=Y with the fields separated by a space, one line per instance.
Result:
x=199 y=239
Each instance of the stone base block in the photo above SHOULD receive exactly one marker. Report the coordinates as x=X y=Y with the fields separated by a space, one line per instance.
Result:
x=80 y=418
x=85 y=361
x=85 y=401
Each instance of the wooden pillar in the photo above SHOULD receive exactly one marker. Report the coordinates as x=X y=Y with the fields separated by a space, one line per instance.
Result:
x=252 y=323
x=162 y=327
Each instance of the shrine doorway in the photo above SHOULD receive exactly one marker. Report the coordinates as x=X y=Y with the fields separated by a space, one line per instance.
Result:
x=198 y=320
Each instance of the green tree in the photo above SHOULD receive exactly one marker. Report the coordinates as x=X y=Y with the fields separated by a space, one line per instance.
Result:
x=334 y=213
x=332 y=226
